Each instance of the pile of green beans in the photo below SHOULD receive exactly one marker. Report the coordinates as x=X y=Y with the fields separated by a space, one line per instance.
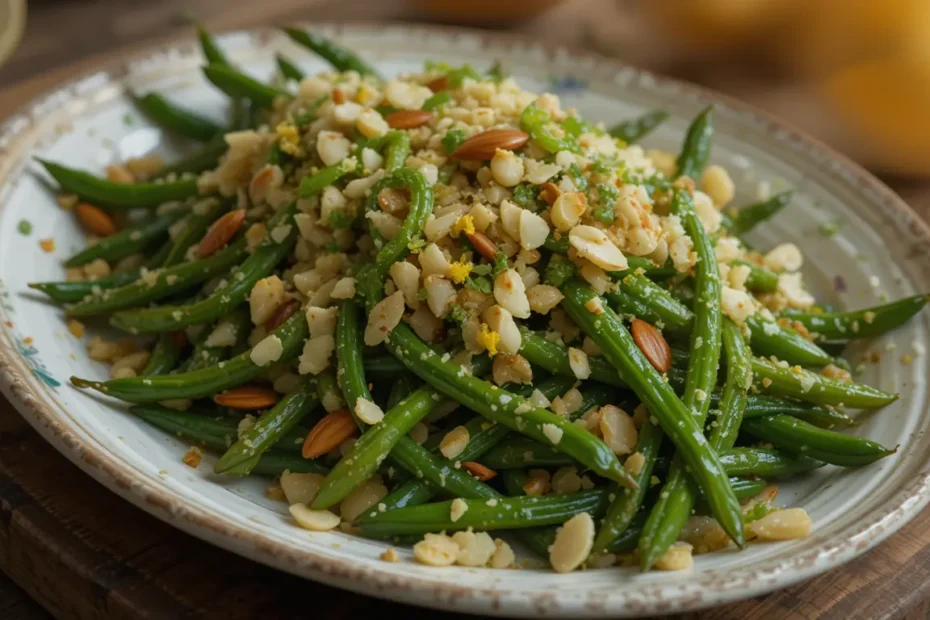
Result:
x=720 y=410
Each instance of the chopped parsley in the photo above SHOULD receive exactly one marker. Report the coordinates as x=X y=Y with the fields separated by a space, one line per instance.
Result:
x=601 y=167
x=574 y=126
x=452 y=139
x=829 y=229
x=421 y=294
x=481 y=270
x=339 y=219
x=757 y=512
x=481 y=283
x=458 y=314
x=500 y=263
x=559 y=270
x=496 y=73
x=526 y=195
x=128 y=120
x=581 y=183
x=331 y=248
x=416 y=245
x=24 y=227
x=607 y=197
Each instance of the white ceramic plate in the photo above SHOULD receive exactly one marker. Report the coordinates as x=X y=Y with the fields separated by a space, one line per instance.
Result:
x=881 y=251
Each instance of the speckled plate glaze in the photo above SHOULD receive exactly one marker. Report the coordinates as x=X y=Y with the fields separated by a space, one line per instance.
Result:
x=881 y=251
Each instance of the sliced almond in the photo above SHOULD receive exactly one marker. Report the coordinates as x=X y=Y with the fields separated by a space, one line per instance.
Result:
x=549 y=192
x=338 y=96
x=594 y=245
x=281 y=314
x=483 y=245
x=567 y=210
x=394 y=201
x=653 y=345
x=478 y=470
x=328 y=433
x=438 y=84
x=95 y=220
x=408 y=119
x=221 y=232
x=247 y=398
x=483 y=146
x=533 y=230
x=573 y=543
x=314 y=520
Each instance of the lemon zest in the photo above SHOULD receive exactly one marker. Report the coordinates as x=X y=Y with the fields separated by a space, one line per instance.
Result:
x=465 y=224
x=489 y=339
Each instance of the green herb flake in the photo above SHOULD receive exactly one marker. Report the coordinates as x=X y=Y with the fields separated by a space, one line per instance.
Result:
x=829 y=229
x=559 y=270
x=452 y=139
x=757 y=512
x=481 y=283
x=421 y=294
x=128 y=120
x=458 y=314
x=339 y=219
x=526 y=195
x=481 y=270
x=24 y=227
x=581 y=183
x=500 y=263
x=607 y=198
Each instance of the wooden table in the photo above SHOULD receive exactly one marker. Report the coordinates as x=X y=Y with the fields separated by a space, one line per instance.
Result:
x=80 y=551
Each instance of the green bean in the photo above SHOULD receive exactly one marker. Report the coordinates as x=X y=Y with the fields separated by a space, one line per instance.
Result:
x=205 y=382
x=553 y=357
x=521 y=452
x=696 y=148
x=760 y=278
x=741 y=488
x=165 y=355
x=288 y=69
x=759 y=405
x=800 y=437
x=766 y=463
x=383 y=367
x=626 y=503
x=747 y=218
x=738 y=381
x=410 y=493
x=177 y=119
x=274 y=463
x=211 y=50
x=769 y=338
x=112 y=195
x=161 y=283
x=674 y=504
x=64 y=292
x=514 y=482
x=242 y=456
x=204 y=356
x=507 y=409
x=401 y=387
x=804 y=385
x=241 y=86
x=506 y=513
x=676 y=420
x=866 y=323
x=645 y=299
x=194 y=229
x=633 y=130
x=199 y=427
x=205 y=158
x=127 y=241
x=339 y=57
x=537 y=123
x=273 y=248
x=437 y=100
x=316 y=183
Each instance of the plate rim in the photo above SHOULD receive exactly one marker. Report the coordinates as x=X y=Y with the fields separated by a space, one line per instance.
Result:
x=17 y=381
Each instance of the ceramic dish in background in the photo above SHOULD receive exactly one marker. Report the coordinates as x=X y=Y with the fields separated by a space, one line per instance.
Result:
x=881 y=249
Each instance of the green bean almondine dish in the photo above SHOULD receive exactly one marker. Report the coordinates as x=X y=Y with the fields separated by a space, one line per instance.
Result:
x=442 y=311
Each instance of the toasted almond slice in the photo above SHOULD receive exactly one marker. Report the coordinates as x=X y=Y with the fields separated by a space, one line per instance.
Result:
x=573 y=543
x=332 y=430
x=483 y=146
x=394 y=201
x=281 y=314
x=247 y=398
x=483 y=245
x=408 y=119
x=338 y=96
x=438 y=84
x=95 y=219
x=549 y=192
x=594 y=245
x=314 y=520
x=478 y=470
x=221 y=232
x=653 y=345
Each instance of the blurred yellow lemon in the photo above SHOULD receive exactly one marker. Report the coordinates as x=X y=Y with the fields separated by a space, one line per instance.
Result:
x=12 y=24
x=884 y=103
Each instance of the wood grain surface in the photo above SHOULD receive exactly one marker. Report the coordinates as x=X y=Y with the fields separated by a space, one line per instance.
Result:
x=79 y=551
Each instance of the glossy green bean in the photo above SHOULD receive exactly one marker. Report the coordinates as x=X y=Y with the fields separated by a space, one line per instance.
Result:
x=205 y=382
x=758 y=405
x=65 y=292
x=261 y=262
x=211 y=51
x=769 y=338
x=127 y=241
x=274 y=463
x=553 y=357
x=866 y=323
x=795 y=382
x=747 y=218
x=242 y=456
x=161 y=283
x=626 y=503
x=725 y=428
x=824 y=445
x=165 y=355
x=437 y=100
x=643 y=298
x=199 y=220
x=504 y=408
x=288 y=69
x=635 y=129
x=383 y=367
x=760 y=279
x=696 y=148
x=316 y=183
x=609 y=333
x=410 y=493
x=241 y=86
x=204 y=355
x=177 y=119
x=766 y=463
x=339 y=57
x=109 y=194
x=673 y=507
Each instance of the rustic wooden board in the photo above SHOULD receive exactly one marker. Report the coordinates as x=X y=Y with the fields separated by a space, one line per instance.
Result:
x=82 y=552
